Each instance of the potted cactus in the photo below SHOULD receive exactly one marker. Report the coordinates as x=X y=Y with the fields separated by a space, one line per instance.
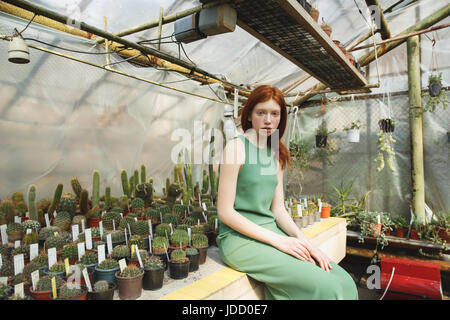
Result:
x=322 y=135
x=58 y=269
x=5 y=291
x=153 y=273
x=109 y=217
x=120 y=252
x=179 y=239
x=159 y=247
x=200 y=242
x=94 y=216
x=178 y=264
x=106 y=271
x=102 y=290
x=325 y=212
x=213 y=232
x=130 y=282
x=133 y=259
x=193 y=255
x=46 y=232
x=63 y=220
x=14 y=231
x=136 y=240
x=70 y=251
x=117 y=237
x=401 y=227
x=89 y=260
x=153 y=215
x=72 y=292
x=44 y=287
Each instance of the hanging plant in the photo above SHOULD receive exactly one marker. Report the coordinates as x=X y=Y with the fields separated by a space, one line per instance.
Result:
x=353 y=131
x=385 y=144
x=437 y=95
x=299 y=153
x=322 y=135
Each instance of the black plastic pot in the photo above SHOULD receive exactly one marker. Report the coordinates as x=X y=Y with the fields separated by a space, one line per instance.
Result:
x=202 y=255
x=435 y=89
x=105 y=295
x=386 y=125
x=321 y=141
x=193 y=261
x=153 y=279
x=163 y=257
x=178 y=270
x=212 y=235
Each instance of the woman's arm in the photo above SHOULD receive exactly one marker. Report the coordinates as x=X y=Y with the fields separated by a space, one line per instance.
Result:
x=229 y=171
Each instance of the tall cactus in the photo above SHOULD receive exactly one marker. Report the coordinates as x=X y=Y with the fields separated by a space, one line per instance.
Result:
x=132 y=185
x=136 y=181
x=107 y=197
x=7 y=208
x=211 y=168
x=125 y=185
x=31 y=203
x=167 y=186
x=56 y=199
x=96 y=188
x=205 y=183
x=143 y=174
x=84 y=202
x=175 y=174
x=76 y=186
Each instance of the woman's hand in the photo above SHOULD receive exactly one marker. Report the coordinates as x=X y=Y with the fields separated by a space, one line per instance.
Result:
x=294 y=247
x=321 y=258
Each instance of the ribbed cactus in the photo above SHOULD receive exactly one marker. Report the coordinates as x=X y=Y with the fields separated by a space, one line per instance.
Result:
x=179 y=237
x=96 y=188
x=143 y=174
x=108 y=264
x=70 y=251
x=57 y=242
x=69 y=293
x=153 y=262
x=67 y=204
x=205 y=183
x=125 y=184
x=63 y=220
x=41 y=259
x=120 y=251
x=56 y=199
x=162 y=230
x=152 y=214
x=108 y=219
x=144 y=191
x=7 y=207
x=30 y=238
x=89 y=258
x=158 y=244
x=171 y=218
x=57 y=267
x=141 y=228
x=84 y=202
x=116 y=236
x=14 y=231
x=178 y=256
x=143 y=254
x=101 y=286
x=108 y=197
x=130 y=272
x=127 y=220
x=45 y=283
x=17 y=197
x=76 y=187
x=167 y=186
x=32 y=203
x=200 y=240
x=46 y=232
x=136 y=240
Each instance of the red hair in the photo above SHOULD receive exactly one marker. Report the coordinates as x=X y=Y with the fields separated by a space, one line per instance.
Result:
x=262 y=94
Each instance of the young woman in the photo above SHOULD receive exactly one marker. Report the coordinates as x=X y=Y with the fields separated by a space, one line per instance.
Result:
x=257 y=235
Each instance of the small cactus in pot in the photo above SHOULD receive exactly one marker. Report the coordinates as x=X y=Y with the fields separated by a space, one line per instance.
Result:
x=120 y=252
x=160 y=245
x=71 y=292
x=14 y=231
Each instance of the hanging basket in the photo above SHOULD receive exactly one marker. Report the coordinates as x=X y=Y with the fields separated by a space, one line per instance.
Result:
x=386 y=125
x=434 y=89
x=353 y=135
x=321 y=141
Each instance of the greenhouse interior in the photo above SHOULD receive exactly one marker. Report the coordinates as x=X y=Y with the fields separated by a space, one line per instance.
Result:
x=114 y=121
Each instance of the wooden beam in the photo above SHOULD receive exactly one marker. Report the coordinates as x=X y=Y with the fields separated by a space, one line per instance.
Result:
x=383 y=28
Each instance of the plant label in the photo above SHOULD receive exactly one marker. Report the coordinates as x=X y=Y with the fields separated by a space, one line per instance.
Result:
x=28 y=231
x=4 y=234
x=1 y=261
x=299 y=209
x=83 y=226
x=16 y=244
x=171 y=229
x=54 y=291
x=66 y=266
x=122 y=264
x=88 y=238
x=51 y=257
x=4 y=281
x=204 y=206
x=129 y=228
x=215 y=224
x=100 y=226
x=35 y=278
x=126 y=238
x=54 y=214
x=101 y=253
x=75 y=232
x=320 y=207
x=290 y=211
x=81 y=250
x=198 y=222
x=204 y=216
x=160 y=215
x=150 y=244
x=319 y=202
x=167 y=254
x=181 y=201
x=17 y=219
x=114 y=225
x=18 y=290
x=109 y=243
x=150 y=228
x=235 y=103
x=306 y=203
x=87 y=280
x=18 y=264
x=135 y=219
x=138 y=256
x=47 y=220
x=121 y=215
x=34 y=250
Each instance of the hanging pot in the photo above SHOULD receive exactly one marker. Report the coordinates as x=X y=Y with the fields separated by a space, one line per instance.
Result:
x=153 y=279
x=386 y=125
x=353 y=135
x=434 y=89
x=18 y=51
x=321 y=141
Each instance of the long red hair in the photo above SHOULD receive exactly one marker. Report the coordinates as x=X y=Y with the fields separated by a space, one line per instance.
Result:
x=262 y=94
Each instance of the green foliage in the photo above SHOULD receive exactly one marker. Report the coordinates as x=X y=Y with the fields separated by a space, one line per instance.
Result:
x=179 y=237
x=385 y=144
x=144 y=191
x=70 y=251
x=433 y=102
x=171 y=218
x=32 y=202
x=367 y=222
x=84 y=202
x=76 y=187
x=67 y=204
x=355 y=125
x=7 y=208
x=95 y=188
x=120 y=251
x=89 y=258
x=152 y=214
x=125 y=184
x=163 y=230
x=57 y=267
x=141 y=228
x=158 y=244
x=400 y=222
x=69 y=293
x=191 y=251
x=30 y=238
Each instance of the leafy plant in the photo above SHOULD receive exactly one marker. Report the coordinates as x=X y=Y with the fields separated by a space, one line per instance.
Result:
x=385 y=144
x=346 y=207
x=299 y=153
x=355 y=125
x=400 y=222
x=433 y=102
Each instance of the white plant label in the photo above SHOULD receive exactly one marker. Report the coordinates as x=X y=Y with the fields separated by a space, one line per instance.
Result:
x=18 y=290
x=215 y=224
x=114 y=225
x=299 y=209
x=121 y=215
x=109 y=243
x=28 y=231
x=138 y=255
x=4 y=234
x=126 y=238
x=122 y=264
x=35 y=279
x=135 y=219
x=87 y=280
x=18 y=263
x=319 y=202
x=290 y=211
x=88 y=238
x=4 y=281
x=101 y=253
x=204 y=206
x=171 y=229
x=150 y=229
x=81 y=250
x=34 y=250
x=54 y=214
x=204 y=216
x=47 y=221
x=16 y=243
x=17 y=219
x=167 y=254
x=83 y=226
x=235 y=103
x=129 y=228
x=198 y=222
x=75 y=232
x=1 y=261
x=150 y=244
x=100 y=225
x=51 y=257
x=320 y=207
x=181 y=202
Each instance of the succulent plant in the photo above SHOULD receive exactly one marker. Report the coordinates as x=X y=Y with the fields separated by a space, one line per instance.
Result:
x=164 y=209
x=21 y=209
x=212 y=223
x=77 y=220
x=191 y=251
x=120 y=251
x=144 y=191
x=108 y=219
x=32 y=202
x=171 y=218
x=70 y=251
x=45 y=283
x=7 y=208
x=46 y=232
x=143 y=254
x=136 y=240
x=182 y=227
x=125 y=184
x=153 y=262
x=127 y=221
x=179 y=237
x=67 y=204
x=141 y=228
x=95 y=188
x=57 y=267
x=17 y=197
x=14 y=231
x=31 y=224
x=63 y=220
x=67 y=292
x=116 y=236
x=189 y=221
x=95 y=212
x=41 y=259
x=158 y=244
x=22 y=249
x=30 y=238
x=200 y=240
x=7 y=269
x=43 y=204
x=130 y=271
x=56 y=241
x=153 y=215
x=28 y=269
x=84 y=202
x=178 y=256
x=108 y=264
x=200 y=228
x=124 y=202
x=163 y=230
x=101 y=286
x=137 y=203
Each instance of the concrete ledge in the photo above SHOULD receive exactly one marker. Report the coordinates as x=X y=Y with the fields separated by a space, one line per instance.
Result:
x=227 y=284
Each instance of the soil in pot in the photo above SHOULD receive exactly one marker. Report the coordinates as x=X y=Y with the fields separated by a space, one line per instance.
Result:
x=103 y=295
x=179 y=270
x=153 y=279
x=129 y=288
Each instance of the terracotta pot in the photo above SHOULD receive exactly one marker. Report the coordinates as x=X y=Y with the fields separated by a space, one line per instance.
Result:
x=400 y=232
x=325 y=213
x=82 y=297
x=414 y=234
x=129 y=288
x=314 y=14
x=14 y=236
x=93 y=222
x=25 y=219
x=444 y=234
x=40 y=295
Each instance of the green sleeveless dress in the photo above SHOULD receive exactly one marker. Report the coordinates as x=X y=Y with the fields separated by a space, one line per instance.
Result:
x=284 y=276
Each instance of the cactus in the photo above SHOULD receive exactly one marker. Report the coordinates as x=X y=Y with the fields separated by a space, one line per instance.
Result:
x=7 y=269
x=31 y=224
x=163 y=230
x=7 y=207
x=57 y=242
x=108 y=219
x=120 y=251
x=70 y=251
x=205 y=183
x=130 y=272
x=63 y=220
x=43 y=204
x=14 y=228
x=116 y=236
x=179 y=237
x=167 y=186
x=89 y=258
x=132 y=185
x=191 y=251
x=108 y=197
x=127 y=221
x=67 y=204
x=137 y=204
x=17 y=197
x=95 y=212
x=124 y=201
x=76 y=187
x=212 y=222
x=158 y=244
x=190 y=221
x=141 y=228
x=178 y=256
x=21 y=209
x=143 y=253
x=153 y=262
x=77 y=220
x=41 y=259
x=95 y=188
x=144 y=191
x=69 y=293
x=136 y=240
x=202 y=228
x=171 y=218
x=125 y=185
x=45 y=283
x=164 y=209
x=31 y=203
x=152 y=214
x=101 y=286
x=30 y=238
x=56 y=199
x=46 y=232
x=84 y=202
x=57 y=267
x=108 y=264
x=23 y=249
x=143 y=174
x=199 y=240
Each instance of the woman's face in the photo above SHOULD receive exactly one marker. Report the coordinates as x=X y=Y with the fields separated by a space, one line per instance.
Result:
x=265 y=117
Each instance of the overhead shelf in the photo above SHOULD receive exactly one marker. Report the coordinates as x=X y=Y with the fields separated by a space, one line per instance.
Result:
x=286 y=27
